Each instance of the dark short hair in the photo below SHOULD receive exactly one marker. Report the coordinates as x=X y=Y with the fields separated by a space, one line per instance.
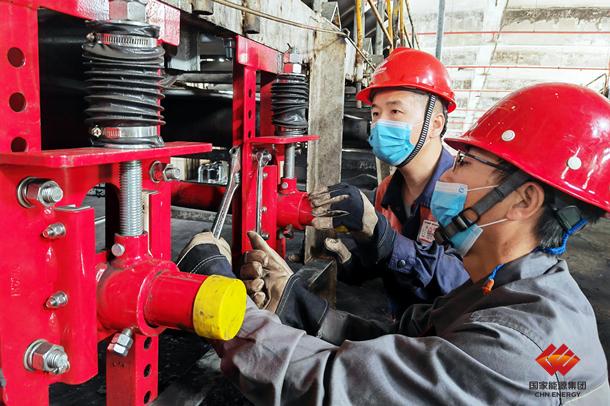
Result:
x=550 y=230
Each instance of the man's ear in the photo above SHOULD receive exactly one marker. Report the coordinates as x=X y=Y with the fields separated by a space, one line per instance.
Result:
x=528 y=199
x=436 y=125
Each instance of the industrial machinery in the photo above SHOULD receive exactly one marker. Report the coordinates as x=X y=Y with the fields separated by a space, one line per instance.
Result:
x=59 y=296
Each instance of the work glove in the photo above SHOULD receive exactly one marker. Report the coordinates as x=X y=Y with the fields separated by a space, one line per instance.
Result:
x=265 y=273
x=273 y=286
x=206 y=255
x=351 y=268
x=345 y=208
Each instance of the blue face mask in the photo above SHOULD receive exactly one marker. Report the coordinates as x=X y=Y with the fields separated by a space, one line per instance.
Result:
x=448 y=200
x=391 y=141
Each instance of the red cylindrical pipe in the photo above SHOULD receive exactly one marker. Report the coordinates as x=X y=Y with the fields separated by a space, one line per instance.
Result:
x=197 y=195
x=170 y=300
x=293 y=208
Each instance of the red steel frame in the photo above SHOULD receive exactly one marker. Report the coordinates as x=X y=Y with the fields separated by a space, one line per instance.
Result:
x=143 y=287
x=138 y=290
x=284 y=206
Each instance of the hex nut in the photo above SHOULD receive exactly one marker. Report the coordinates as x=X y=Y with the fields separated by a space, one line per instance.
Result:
x=121 y=343
x=46 y=357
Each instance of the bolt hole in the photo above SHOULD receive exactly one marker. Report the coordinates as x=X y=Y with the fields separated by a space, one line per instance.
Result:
x=16 y=57
x=249 y=134
x=147 y=370
x=249 y=92
x=147 y=343
x=17 y=102
x=147 y=397
x=249 y=113
x=19 y=144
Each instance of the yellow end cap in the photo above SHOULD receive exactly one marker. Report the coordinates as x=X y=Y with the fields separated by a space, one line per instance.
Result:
x=219 y=308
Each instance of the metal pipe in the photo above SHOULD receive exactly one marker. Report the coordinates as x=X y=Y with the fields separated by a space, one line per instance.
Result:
x=388 y=10
x=519 y=32
x=379 y=28
x=440 y=27
x=413 y=35
x=359 y=29
x=483 y=90
x=401 y=24
x=378 y=13
x=289 y=161
x=524 y=67
x=131 y=198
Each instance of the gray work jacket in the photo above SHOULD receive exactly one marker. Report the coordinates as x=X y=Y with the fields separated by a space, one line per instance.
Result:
x=464 y=349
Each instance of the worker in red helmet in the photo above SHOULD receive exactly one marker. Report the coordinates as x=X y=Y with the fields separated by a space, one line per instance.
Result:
x=532 y=171
x=410 y=96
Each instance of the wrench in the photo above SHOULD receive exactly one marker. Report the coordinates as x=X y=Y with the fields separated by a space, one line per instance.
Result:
x=234 y=181
x=262 y=159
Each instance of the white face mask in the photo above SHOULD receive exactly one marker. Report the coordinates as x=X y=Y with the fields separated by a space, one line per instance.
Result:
x=449 y=200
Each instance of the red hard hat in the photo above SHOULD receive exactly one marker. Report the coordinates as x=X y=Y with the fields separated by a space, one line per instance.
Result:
x=556 y=132
x=407 y=67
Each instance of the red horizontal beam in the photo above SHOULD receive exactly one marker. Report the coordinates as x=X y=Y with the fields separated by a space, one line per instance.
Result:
x=525 y=67
x=519 y=32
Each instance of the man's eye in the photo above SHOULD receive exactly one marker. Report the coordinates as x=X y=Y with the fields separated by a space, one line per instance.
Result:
x=396 y=111
x=461 y=162
x=374 y=114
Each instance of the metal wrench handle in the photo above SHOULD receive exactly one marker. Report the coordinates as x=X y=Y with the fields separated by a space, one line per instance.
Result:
x=234 y=180
x=262 y=159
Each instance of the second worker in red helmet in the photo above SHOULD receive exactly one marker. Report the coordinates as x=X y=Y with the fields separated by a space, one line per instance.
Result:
x=410 y=96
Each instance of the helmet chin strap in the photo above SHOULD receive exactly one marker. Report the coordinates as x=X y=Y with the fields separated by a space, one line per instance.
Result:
x=460 y=222
x=424 y=131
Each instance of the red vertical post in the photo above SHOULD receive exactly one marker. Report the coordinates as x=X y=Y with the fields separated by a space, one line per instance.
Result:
x=19 y=91
x=132 y=380
x=244 y=127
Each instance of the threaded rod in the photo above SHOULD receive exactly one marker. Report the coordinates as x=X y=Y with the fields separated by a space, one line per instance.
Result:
x=131 y=198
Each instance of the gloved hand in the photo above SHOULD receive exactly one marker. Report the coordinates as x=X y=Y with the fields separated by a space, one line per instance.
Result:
x=344 y=208
x=206 y=255
x=273 y=286
x=265 y=273
x=351 y=268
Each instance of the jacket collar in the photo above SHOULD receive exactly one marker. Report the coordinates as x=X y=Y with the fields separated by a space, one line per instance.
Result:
x=393 y=195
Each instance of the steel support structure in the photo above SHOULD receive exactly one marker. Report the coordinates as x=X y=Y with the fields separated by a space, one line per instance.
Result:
x=54 y=286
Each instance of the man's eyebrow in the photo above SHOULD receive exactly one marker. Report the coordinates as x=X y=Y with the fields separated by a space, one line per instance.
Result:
x=395 y=103
x=391 y=103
